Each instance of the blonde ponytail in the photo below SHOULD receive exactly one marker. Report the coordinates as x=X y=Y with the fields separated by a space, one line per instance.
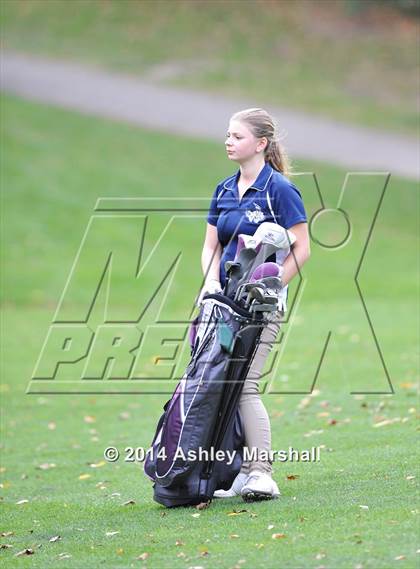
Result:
x=276 y=156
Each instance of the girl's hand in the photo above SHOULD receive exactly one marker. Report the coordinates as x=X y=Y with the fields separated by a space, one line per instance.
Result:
x=212 y=286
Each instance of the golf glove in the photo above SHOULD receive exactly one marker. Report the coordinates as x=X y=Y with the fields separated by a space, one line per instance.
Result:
x=212 y=286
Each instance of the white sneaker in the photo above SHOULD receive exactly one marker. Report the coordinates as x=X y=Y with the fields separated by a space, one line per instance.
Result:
x=259 y=486
x=235 y=489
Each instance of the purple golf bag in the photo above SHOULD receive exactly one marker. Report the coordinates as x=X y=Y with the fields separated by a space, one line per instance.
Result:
x=197 y=448
x=198 y=444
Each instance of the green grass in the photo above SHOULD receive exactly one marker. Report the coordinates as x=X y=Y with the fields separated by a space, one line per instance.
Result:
x=55 y=165
x=319 y=57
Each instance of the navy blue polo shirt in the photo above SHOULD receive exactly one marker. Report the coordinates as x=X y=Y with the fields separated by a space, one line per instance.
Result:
x=272 y=197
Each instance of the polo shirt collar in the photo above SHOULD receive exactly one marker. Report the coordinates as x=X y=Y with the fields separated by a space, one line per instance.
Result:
x=260 y=183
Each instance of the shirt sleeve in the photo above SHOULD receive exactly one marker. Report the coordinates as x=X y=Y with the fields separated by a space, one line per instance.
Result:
x=213 y=210
x=288 y=205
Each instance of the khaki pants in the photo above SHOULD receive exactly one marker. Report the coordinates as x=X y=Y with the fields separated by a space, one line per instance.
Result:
x=255 y=419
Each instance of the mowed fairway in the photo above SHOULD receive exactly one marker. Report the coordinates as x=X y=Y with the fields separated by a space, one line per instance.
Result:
x=356 y=507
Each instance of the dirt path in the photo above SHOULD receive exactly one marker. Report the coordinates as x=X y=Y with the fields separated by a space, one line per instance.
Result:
x=197 y=114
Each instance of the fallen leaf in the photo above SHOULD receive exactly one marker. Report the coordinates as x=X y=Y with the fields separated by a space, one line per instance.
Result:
x=55 y=538
x=270 y=526
x=399 y=557
x=22 y=502
x=364 y=507
x=111 y=533
x=409 y=477
x=304 y=403
x=120 y=551
x=234 y=536
x=52 y=426
x=332 y=422
x=178 y=542
x=89 y=419
x=320 y=556
x=386 y=422
x=143 y=556
x=311 y=433
x=5 y=545
x=236 y=512
x=292 y=476
x=7 y=533
x=97 y=464
x=129 y=503
x=278 y=535
x=64 y=556
x=124 y=415
x=181 y=554
x=84 y=476
x=27 y=551
x=195 y=515
x=46 y=466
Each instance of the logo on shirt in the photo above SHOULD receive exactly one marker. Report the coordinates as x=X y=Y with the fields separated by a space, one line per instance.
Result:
x=255 y=216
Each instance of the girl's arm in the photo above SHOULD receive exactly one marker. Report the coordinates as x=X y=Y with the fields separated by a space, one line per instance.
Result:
x=211 y=254
x=301 y=252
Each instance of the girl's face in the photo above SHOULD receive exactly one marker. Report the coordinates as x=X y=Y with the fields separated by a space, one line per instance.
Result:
x=241 y=144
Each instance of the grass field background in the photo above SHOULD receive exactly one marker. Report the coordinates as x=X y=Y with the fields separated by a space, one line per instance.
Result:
x=355 y=508
x=354 y=61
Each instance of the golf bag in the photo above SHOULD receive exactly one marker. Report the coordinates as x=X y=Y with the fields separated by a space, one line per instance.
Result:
x=199 y=440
